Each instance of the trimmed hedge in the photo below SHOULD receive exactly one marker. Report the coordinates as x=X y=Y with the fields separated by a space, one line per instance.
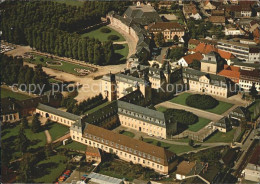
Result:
x=113 y=37
x=118 y=46
x=105 y=30
x=201 y=101
x=182 y=116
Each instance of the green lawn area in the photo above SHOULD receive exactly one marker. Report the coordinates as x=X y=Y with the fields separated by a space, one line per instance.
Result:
x=195 y=127
x=75 y=146
x=97 y=34
x=50 y=169
x=221 y=137
x=219 y=109
x=9 y=93
x=123 y=52
x=173 y=147
x=57 y=130
x=71 y=2
x=9 y=135
x=127 y=133
x=66 y=66
x=97 y=108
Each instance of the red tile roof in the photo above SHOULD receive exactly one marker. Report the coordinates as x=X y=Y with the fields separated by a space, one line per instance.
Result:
x=231 y=72
x=217 y=19
x=205 y=48
x=226 y=55
x=194 y=42
x=190 y=58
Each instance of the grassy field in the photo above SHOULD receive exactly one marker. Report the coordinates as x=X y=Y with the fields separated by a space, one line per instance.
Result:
x=195 y=127
x=97 y=34
x=219 y=109
x=221 y=137
x=50 y=169
x=75 y=146
x=97 y=108
x=199 y=125
x=127 y=133
x=9 y=135
x=71 y=2
x=9 y=93
x=57 y=130
x=123 y=52
x=173 y=147
x=66 y=66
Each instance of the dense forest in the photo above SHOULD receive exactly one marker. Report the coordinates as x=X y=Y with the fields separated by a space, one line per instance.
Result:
x=13 y=72
x=51 y=27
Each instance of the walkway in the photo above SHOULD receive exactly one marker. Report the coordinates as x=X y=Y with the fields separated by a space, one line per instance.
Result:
x=198 y=112
x=129 y=39
x=67 y=136
x=48 y=136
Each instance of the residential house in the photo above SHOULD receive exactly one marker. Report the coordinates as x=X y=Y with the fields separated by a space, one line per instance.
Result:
x=231 y=72
x=233 y=31
x=248 y=78
x=93 y=154
x=229 y=57
x=195 y=14
x=188 y=9
x=192 y=44
x=218 y=12
x=217 y=20
x=165 y=4
x=185 y=61
x=204 y=48
x=168 y=29
x=252 y=170
x=207 y=5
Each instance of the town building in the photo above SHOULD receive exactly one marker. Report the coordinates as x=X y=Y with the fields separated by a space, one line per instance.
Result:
x=56 y=115
x=211 y=63
x=204 y=48
x=188 y=9
x=93 y=154
x=207 y=5
x=192 y=44
x=248 y=78
x=233 y=31
x=217 y=20
x=185 y=61
x=9 y=110
x=126 y=148
x=223 y=125
x=148 y=121
x=239 y=114
x=249 y=53
x=231 y=72
x=168 y=29
x=206 y=83
x=96 y=178
x=252 y=170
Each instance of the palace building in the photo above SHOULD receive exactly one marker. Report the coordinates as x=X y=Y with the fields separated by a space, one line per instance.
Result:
x=126 y=148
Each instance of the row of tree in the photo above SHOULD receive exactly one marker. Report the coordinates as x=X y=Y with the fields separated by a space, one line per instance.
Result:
x=13 y=72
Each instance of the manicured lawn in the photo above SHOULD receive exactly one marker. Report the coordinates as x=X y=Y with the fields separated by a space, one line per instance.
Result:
x=195 y=127
x=97 y=34
x=123 y=52
x=219 y=109
x=9 y=93
x=66 y=66
x=172 y=147
x=199 y=125
x=75 y=146
x=57 y=130
x=50 y=169
x=127 y=133
x=221 y=137
x=97 y=108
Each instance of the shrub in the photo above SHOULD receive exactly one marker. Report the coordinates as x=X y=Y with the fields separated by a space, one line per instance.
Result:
x=118 y=46
x=182 y=116
x=201 y=101
x=113 y=37
x=105 y=30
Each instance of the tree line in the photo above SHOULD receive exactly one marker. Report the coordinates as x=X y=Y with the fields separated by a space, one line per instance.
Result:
x=14 y=72
x=51 y=27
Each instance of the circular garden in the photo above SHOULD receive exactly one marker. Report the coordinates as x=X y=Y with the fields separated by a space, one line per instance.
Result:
x=201 y=101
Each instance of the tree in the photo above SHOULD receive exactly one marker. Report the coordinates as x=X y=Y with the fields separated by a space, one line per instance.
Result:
x=158 y=143
x=195 y=64
x=159 y=39
x=41 y=59
x=253 y=91
x=48 y=149
x=26 y=168
x=36 y=124
x=191 y=143
x=176 y=53
x=24 y=122
x=22 y=140
x=176 y=39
